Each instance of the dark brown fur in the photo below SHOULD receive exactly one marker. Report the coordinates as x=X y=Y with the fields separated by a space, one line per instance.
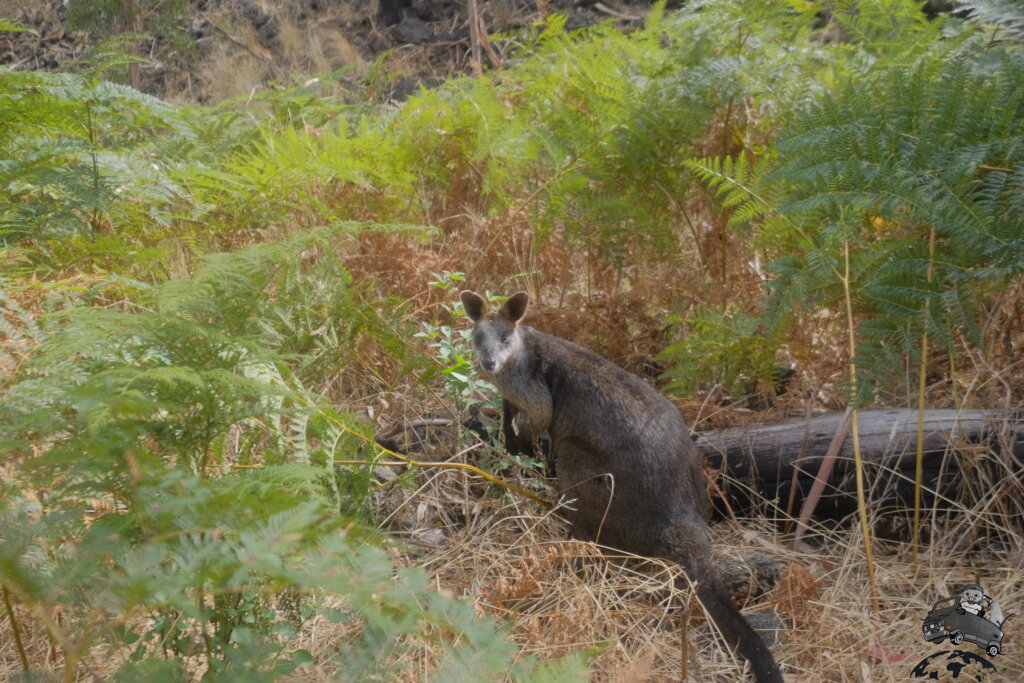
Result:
x=622 y=451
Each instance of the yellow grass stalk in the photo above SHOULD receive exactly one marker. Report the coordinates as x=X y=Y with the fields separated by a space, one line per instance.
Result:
x=922 y=371
x=858 y=461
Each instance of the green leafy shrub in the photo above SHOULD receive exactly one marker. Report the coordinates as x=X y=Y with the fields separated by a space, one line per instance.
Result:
x=878 y=166
x=218 y=576
x=454 y=349
x=128 y=20
x=78 y=155
x=136 y=423
x=719 y=348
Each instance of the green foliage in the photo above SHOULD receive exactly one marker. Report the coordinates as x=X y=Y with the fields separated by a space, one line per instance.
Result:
x=126 y=23
x=78 y=157
x=13 y=26
x=467 y=146
x=588 y=138
x=616 y=117
x=887 y=30
x=454 y=350
x=229 y=350
x=1002 y=15
x=224 y=573
x=879 y=164
x=723 y=348
x=186 y=564
x=739 y=186
x=914 y=134
x=119 y=16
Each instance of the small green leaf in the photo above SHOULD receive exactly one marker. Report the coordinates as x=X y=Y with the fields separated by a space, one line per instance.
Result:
x=302 y=658
x=285 y=629
x=337 y=616
x=242 y=635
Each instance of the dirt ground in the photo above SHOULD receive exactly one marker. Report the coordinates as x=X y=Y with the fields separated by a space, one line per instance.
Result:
x=219 y=49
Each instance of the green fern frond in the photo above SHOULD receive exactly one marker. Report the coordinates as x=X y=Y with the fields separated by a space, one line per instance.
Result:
x=878 y=163
x=739 y=185
x=1006 y=14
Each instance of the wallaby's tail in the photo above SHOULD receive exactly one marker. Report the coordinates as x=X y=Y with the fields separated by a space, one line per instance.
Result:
x=687 y=544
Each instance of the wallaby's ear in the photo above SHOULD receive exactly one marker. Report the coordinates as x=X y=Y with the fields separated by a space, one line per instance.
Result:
x=514 y=307
x=474 y=304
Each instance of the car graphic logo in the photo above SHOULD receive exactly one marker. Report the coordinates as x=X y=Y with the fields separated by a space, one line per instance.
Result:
x=969 y=616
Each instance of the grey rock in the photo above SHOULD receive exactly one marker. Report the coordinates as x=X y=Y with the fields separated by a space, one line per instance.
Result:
x=411 y=30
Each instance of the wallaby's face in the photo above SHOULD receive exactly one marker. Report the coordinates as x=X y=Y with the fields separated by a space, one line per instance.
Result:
x=497 y=339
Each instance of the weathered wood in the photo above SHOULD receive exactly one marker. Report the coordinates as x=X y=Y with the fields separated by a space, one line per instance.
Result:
x=770 y=458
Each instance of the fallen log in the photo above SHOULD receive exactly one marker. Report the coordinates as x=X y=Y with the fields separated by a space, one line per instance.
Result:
x=779 y=462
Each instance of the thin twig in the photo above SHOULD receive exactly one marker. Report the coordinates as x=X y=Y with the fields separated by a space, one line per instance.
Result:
x=15 y=629
x=601 y=7
x=796 y=472
x=485 y=41
x=821 y=478
x=426 y=465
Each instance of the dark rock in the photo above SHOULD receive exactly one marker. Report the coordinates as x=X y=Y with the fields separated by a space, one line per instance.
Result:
x=404 y=87
x=582 y=19
x=411 y=30
x=390 y=12
x=252 y=12
x=434 y=10
x=267 y=32
x=378 y=42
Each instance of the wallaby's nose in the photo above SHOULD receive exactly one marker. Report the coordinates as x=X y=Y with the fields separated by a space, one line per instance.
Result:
x=487 y=364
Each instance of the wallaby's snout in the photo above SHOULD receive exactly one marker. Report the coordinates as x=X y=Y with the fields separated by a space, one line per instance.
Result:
x=496 y=336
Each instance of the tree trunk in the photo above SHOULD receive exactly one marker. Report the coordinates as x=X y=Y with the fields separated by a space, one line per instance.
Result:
x=770 y=458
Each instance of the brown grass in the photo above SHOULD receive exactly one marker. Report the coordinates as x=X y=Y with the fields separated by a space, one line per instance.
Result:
x=236 y=62
x=561 y=596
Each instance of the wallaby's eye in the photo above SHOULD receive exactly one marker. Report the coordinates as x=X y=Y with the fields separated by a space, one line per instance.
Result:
x=504 y=337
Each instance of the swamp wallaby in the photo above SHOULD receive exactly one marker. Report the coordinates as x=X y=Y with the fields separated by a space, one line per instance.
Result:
x=622 y=451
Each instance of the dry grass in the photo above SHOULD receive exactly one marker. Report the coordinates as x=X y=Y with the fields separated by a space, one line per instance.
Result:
x=237 y=61
x=558 y=595
x=561 y=596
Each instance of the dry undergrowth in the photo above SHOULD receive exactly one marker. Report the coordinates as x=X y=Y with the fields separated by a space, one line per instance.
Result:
x=515 y=563
x=513 y=560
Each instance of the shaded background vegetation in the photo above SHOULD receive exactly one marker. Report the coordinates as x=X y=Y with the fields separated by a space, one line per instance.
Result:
x=206 y=308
